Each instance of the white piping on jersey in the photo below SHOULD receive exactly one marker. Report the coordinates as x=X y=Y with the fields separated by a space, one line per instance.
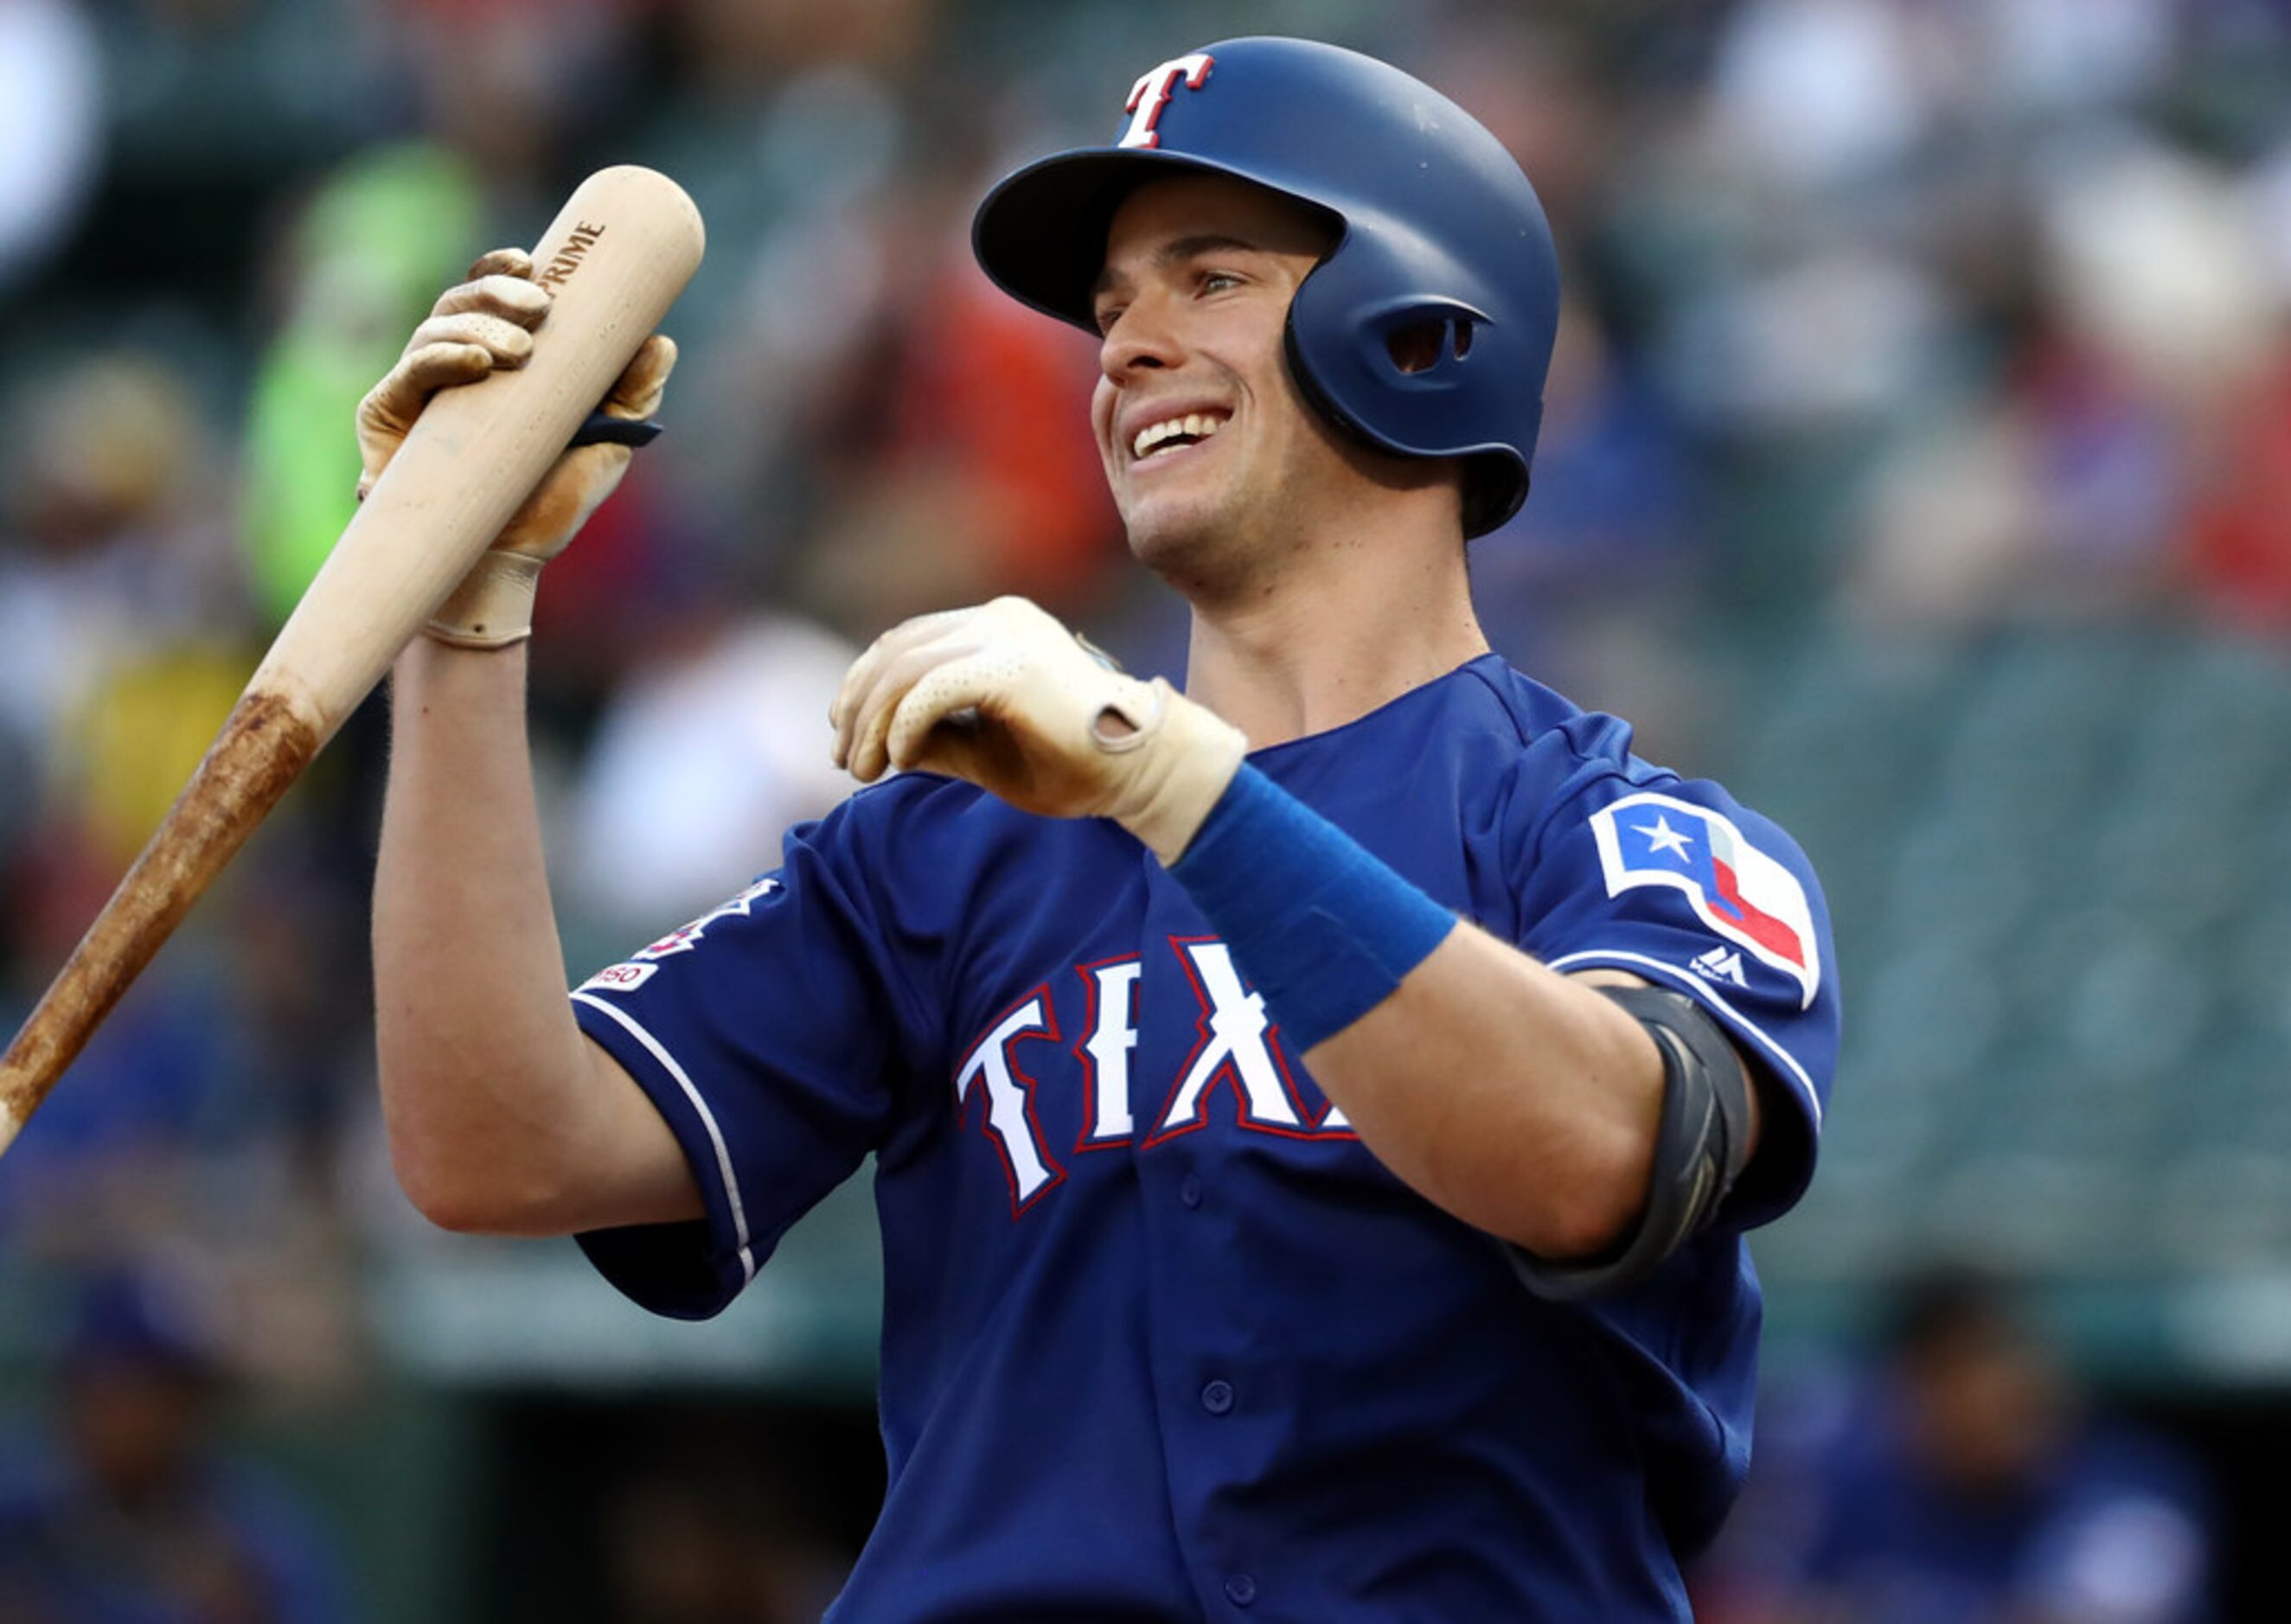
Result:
x=1703 y=992
x=707 y=1121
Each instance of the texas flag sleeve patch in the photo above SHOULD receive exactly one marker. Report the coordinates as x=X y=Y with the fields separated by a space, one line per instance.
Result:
x=1737 y=890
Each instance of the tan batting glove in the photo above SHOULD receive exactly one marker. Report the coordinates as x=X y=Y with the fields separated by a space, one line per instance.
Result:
x=1006 y=697
x=485 y=323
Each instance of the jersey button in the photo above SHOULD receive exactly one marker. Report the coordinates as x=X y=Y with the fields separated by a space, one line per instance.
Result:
x=1189 y=1190
x=1216 y=1398
x=1240 y=1589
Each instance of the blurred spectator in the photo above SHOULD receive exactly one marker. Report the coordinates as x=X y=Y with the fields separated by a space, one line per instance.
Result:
x=1593 y=579
x=711 y=1544
x=50 y=114
x=1967 y=1484
x=112 y=551
x=119 y=621
x=201 y=1109
x=2239 y=534
x=732 y=43
x=712 y=746
x=923 y=440
x=491 y=77
x=127 y=1511
x=1823 y=93
x=366 y=254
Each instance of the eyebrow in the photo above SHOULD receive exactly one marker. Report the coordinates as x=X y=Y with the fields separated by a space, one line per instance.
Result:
x=1177 y=252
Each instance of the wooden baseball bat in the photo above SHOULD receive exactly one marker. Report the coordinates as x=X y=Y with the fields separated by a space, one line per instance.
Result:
x=615 y=257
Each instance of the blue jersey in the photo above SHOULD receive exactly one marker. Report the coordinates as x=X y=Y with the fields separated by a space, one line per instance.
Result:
x=1161 y=1339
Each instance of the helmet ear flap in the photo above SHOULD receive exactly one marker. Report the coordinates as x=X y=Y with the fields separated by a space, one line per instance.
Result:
x=1420 y=371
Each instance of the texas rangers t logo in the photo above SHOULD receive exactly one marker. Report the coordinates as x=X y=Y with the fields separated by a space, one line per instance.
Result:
x=1735 y=888
x=1151 y=93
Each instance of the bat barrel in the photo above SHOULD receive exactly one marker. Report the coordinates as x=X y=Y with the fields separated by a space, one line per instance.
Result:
x=263 y=747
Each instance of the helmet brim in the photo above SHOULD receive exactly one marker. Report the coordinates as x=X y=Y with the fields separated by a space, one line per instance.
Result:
x=1040 y=233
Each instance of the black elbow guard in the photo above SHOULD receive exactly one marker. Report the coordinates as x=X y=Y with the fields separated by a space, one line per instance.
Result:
x=1700 y=1147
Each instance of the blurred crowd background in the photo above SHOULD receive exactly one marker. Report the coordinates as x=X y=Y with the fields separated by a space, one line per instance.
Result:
x=1917 y=460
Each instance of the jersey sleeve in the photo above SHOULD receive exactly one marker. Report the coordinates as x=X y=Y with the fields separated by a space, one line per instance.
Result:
x=769 y=1034
x=1675 y=882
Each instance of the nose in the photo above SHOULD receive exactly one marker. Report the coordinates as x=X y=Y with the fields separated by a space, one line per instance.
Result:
x=1141 y=339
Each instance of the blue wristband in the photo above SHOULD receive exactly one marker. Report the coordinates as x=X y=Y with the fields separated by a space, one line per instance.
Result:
x=1321 y=928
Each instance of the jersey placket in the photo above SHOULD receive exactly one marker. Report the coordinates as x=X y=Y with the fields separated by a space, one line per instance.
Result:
x=1214 y=1388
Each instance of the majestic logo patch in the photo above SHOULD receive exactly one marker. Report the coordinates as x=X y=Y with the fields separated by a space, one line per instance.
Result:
x=1720 y=964
x=1736 y=890
x=684 y=940
x=1151 y=93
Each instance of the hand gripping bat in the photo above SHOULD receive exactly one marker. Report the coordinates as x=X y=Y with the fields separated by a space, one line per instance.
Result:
x=615 y=258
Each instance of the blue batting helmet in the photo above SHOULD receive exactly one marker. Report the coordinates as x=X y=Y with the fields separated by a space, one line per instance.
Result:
x=1436 y=229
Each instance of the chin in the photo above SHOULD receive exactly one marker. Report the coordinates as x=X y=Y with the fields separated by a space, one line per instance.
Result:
x=1172 y=537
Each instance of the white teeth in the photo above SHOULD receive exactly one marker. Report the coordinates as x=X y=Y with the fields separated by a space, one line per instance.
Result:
x=1195 y=424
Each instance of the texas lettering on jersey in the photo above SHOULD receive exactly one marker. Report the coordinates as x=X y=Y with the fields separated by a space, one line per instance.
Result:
x=1237 y=1049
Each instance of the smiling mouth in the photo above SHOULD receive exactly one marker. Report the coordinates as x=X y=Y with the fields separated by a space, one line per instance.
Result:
x=1173 y=434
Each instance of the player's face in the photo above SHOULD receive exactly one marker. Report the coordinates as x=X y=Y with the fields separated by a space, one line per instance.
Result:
x=1206 y=442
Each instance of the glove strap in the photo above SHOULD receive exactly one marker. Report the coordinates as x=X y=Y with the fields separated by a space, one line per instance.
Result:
x=493 y=607
x=1188 y=756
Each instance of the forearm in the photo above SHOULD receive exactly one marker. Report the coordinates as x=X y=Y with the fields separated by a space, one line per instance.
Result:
x=1520 y=1100
x=1512 y=1097
x=490 y=1091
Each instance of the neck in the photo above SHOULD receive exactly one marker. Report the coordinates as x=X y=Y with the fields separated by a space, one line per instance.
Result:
x=1340 y=628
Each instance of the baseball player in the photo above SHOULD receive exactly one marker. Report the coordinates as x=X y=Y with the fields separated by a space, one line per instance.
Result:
x=1316 y=1113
